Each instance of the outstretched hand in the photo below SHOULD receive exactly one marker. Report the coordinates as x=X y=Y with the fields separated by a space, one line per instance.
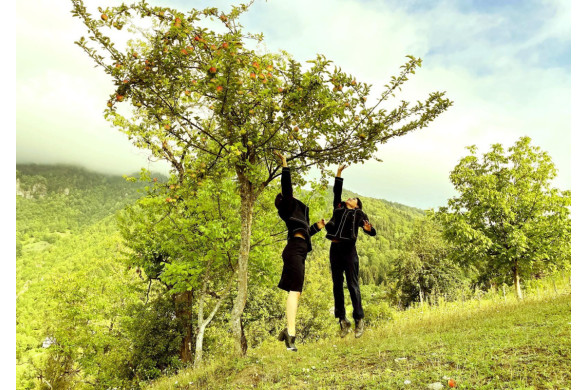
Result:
x=283 y=158
x=341 y=167
x=321 y=223
x=367 y=226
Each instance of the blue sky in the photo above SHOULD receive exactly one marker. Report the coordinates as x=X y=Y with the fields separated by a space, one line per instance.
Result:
x=505 y=64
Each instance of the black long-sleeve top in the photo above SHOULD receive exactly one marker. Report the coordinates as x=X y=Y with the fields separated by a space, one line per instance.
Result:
x=293 y=211
x=344 y=224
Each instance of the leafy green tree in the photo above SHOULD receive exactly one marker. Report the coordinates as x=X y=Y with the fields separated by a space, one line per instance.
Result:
x=83 y=337
x=186 y=243
x=201 y=96
x=507 y=219
x=424 y=268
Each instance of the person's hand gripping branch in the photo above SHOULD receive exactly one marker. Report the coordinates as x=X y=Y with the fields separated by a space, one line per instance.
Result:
x=283 y=158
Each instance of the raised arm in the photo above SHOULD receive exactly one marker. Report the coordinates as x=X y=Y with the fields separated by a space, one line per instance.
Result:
x=338 y=182
x=286 y=185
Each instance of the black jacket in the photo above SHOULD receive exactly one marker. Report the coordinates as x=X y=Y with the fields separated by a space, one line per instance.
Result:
x=345 y=222
x=293 y=211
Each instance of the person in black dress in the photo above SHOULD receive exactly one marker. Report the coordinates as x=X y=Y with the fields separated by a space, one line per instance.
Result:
x=296 y=216
x=342 y=230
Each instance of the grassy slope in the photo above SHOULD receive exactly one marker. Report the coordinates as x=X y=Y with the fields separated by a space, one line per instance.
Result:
x=481 y=344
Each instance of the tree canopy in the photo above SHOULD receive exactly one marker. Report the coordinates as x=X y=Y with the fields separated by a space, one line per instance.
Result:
x=507 y=219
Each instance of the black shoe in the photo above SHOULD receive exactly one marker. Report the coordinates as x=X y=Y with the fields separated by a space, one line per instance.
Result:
x=289 y=340
x=359 y=328
x=345 y=327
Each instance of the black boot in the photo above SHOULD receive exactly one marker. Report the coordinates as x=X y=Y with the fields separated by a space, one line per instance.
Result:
x=289 y=340
x=345 y=326
x=359 y=328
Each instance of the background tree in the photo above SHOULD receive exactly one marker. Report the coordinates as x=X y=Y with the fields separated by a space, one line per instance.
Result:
x=201 y=97
x=507 y=219
x=424 y=268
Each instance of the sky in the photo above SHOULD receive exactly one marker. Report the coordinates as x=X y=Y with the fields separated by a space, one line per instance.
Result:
x=505 y=64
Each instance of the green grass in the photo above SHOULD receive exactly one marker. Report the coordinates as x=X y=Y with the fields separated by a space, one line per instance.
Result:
x=481 y=344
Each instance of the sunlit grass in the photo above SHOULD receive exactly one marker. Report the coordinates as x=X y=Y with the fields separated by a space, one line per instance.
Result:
x=492 y=342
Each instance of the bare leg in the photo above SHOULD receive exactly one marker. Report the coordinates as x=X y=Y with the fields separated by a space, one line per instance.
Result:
x=292 y=303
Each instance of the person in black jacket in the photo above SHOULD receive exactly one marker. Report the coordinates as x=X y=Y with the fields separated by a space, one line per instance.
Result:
x=342 y=230
x=296 y=216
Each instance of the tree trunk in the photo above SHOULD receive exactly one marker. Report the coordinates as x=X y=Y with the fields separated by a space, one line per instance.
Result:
x=199 y=345
x=517 y=282
x=246 y=206
x=183 y=302
x=204 y=322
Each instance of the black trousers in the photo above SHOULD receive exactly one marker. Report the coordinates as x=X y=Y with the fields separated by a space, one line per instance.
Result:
x=344 y=260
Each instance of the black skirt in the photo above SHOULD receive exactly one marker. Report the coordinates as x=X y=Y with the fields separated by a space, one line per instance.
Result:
x=294 y=256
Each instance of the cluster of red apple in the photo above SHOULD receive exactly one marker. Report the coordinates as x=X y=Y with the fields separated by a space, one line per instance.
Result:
x=261 y=76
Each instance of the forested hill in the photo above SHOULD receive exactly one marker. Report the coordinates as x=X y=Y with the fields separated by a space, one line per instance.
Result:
x=53 y=200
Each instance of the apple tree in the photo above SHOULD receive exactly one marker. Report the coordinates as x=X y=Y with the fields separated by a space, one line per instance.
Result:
x=507 y=219
x=195 y=90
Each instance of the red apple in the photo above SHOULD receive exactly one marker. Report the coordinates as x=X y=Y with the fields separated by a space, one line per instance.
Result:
x=104 y=17
x=212 y=69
